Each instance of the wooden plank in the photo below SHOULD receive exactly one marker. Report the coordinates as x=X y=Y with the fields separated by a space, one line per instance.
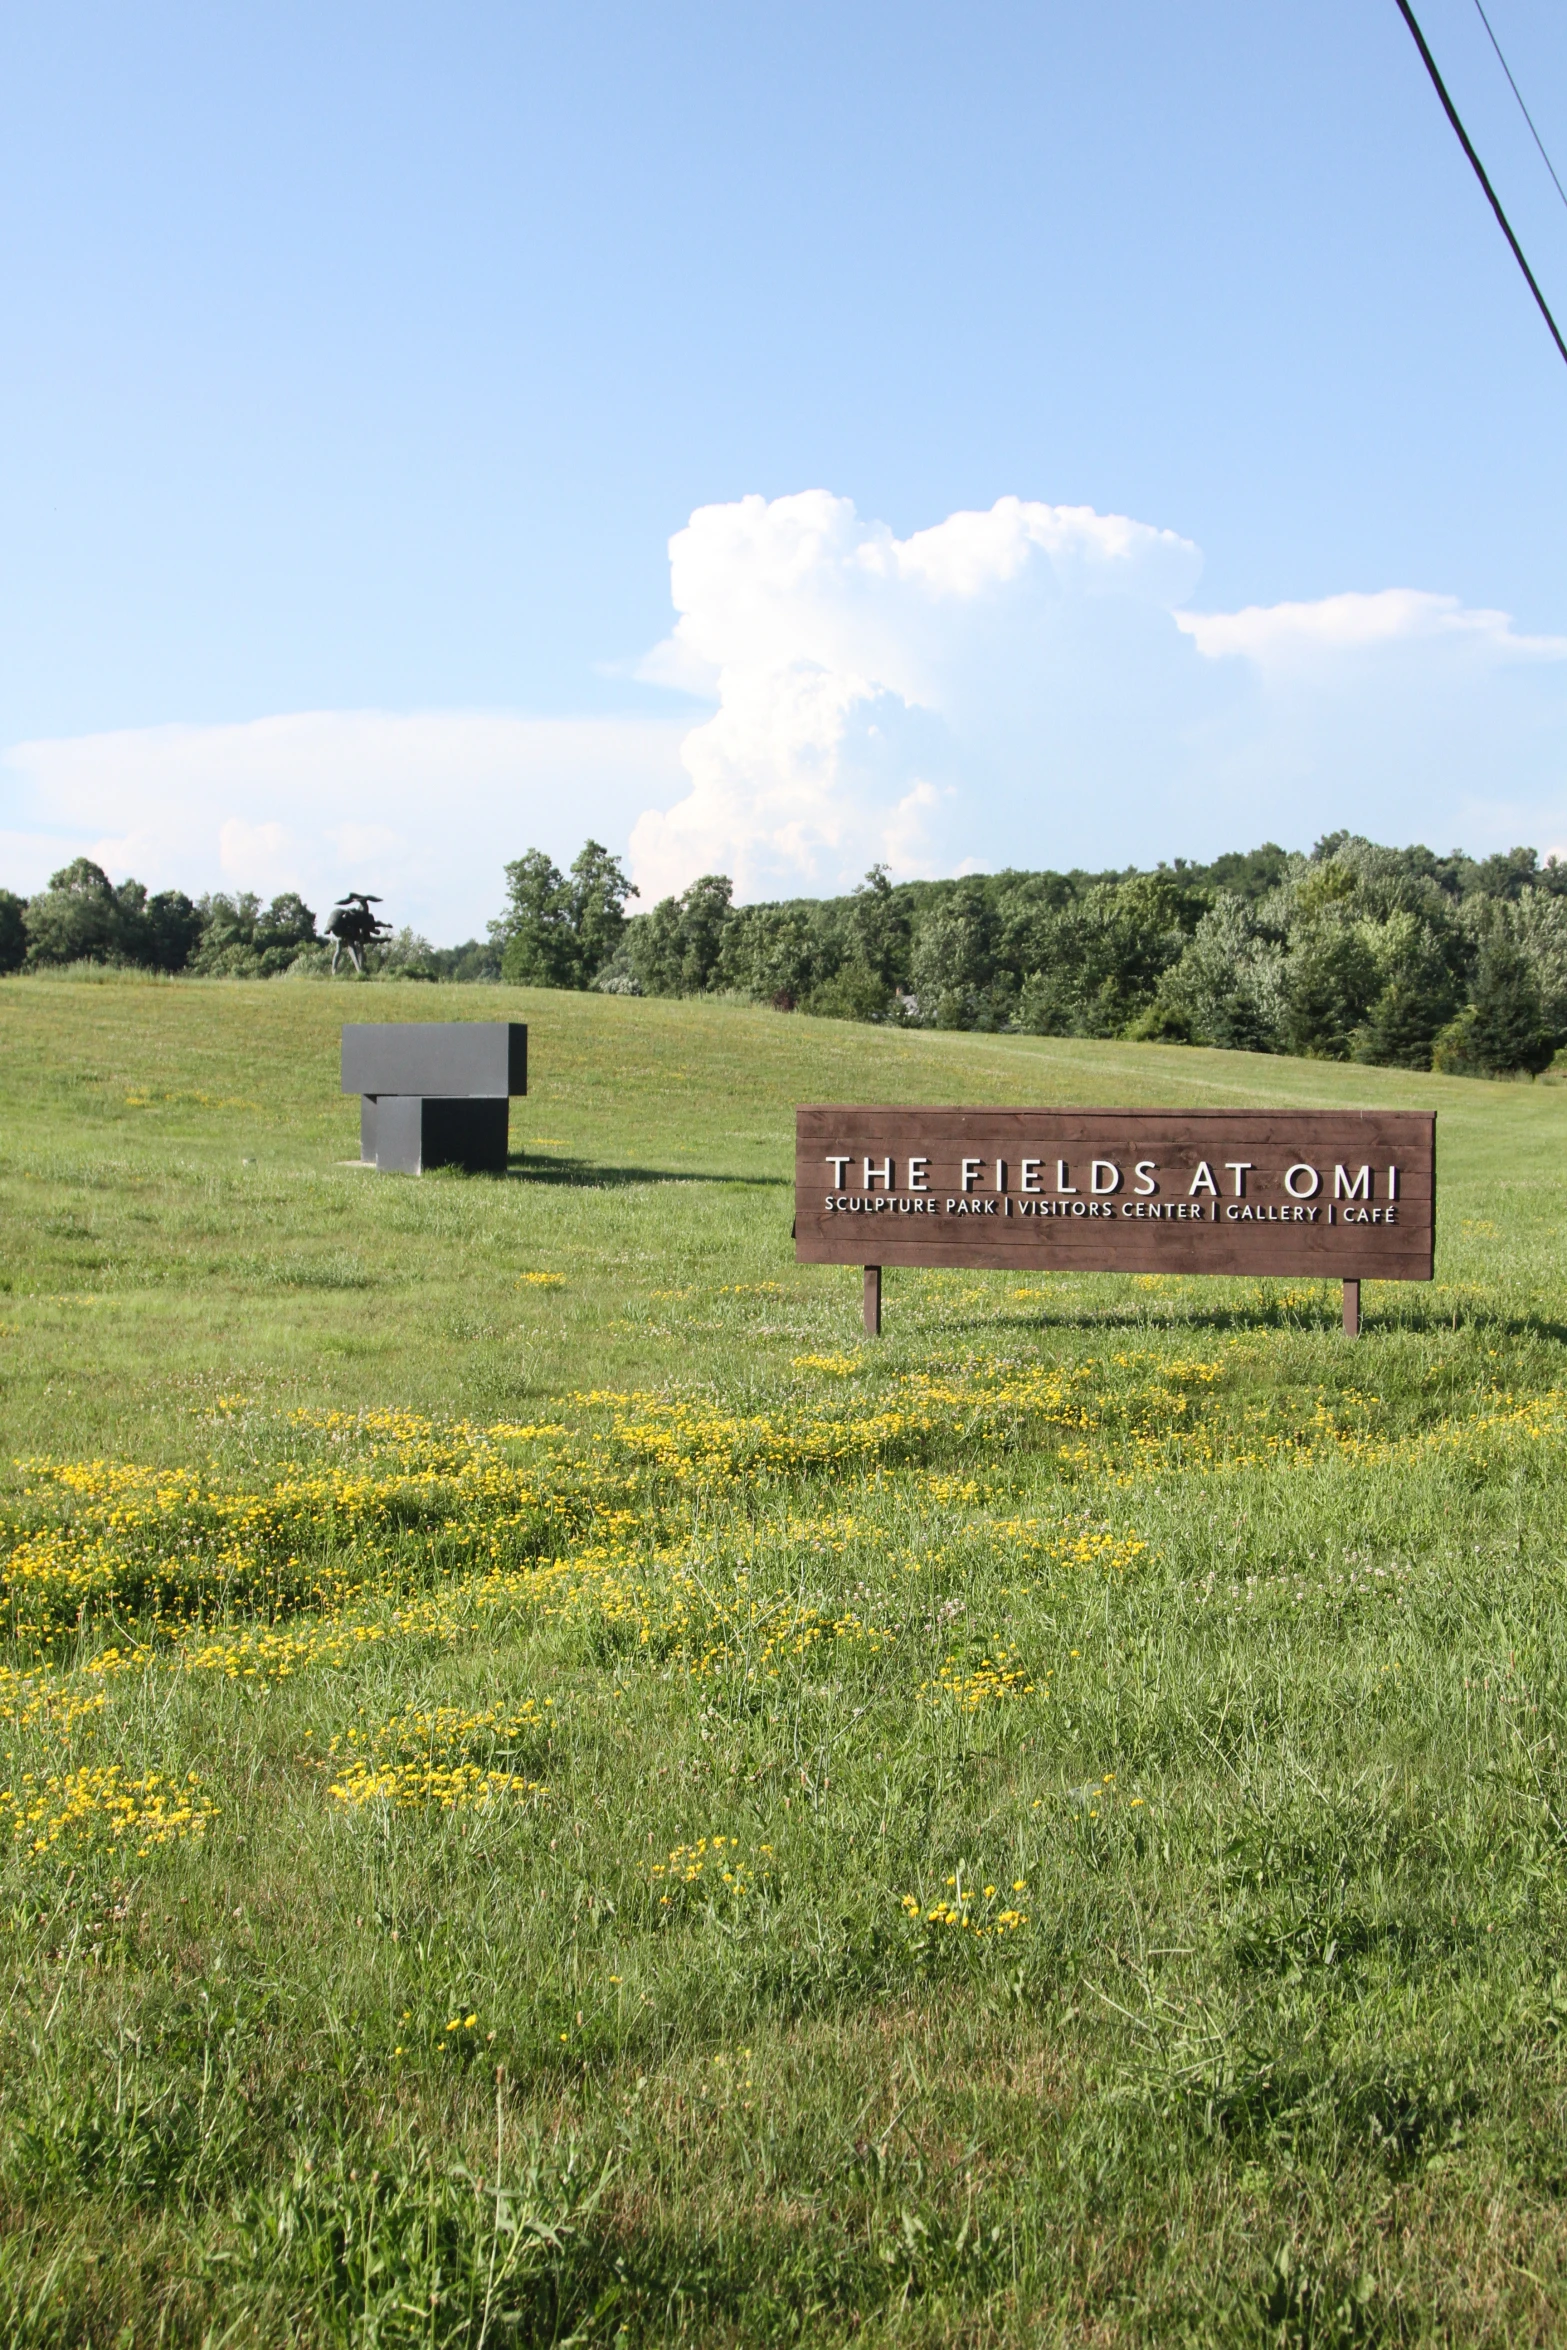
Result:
x=1328 y=1194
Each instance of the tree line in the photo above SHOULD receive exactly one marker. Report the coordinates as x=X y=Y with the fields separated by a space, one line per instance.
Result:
x=84 y=917
x=1353 y=952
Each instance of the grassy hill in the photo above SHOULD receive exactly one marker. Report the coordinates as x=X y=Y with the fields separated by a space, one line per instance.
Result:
x=551 y=1792
x=176 y=1210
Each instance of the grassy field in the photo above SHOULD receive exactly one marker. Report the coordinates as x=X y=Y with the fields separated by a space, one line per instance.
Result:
x=552 y=1794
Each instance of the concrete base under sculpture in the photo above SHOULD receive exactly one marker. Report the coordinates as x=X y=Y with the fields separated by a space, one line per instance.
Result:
x=406 y=1133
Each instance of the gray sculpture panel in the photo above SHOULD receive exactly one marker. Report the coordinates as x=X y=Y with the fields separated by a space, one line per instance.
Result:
x=414 y=1132
x=480 y=1059
x=399 y=1134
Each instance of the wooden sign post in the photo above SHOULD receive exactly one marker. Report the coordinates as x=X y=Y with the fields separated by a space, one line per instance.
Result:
x=1345 y=1195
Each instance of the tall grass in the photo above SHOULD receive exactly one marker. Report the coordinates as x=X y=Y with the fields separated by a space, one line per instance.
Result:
x=1048 y=1829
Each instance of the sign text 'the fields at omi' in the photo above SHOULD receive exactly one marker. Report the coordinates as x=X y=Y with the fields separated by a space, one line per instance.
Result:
x=1331 y=1194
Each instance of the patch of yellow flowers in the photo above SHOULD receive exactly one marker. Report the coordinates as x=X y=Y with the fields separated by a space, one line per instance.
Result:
x=424 y=1758
x=970 y=1686
x=713 y=1863
x=681 y=1534
x=397 y=1492
x=70 y=1812
x=968 y=1911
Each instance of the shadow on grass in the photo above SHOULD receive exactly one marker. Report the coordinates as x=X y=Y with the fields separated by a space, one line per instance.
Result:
x=586 y=1175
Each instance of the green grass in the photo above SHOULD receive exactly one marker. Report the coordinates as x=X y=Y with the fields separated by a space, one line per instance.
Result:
x=392 y=1631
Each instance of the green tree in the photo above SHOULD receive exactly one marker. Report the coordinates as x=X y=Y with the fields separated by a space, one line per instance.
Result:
x=853 y=992
x=1400 y=1029
x=474 y=960
x=676 y=949
x=1539 y=928
x=1421 y=989
x=597 y=890
x=538 y=943
x=79 y=918
x=770 y=953
x=953 y=965
x=1507 y=1033
x=651 y=956
x=171 y=931
x=561 y=930
x=1249 y=873
x=13 y=931
x=228 y=935
x=1331 y=980
x=880 y=930
x=287 y=922
x=1099 y=960
x=1506 y=876
x=82 y=917
x=1228 y=987
x=1047 y=1000
x=241 y=939
x=704 y=910
x=407 y=954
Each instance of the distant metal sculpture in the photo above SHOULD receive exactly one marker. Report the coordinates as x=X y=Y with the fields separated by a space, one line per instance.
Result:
x=354 y=926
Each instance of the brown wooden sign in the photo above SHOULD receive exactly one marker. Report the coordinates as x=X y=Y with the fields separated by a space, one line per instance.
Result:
x=1333 y=1194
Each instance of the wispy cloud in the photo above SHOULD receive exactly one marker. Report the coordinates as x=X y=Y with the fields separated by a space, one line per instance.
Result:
x=1291 y=635
x=423 y=808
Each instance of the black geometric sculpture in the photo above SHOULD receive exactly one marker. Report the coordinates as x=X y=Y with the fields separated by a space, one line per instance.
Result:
x=435 y=1093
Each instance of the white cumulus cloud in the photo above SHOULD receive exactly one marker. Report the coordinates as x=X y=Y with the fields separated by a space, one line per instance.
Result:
x=1030 y=686
x=873 y=690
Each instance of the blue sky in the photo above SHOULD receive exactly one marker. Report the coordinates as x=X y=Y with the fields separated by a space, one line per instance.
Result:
x=363 y=364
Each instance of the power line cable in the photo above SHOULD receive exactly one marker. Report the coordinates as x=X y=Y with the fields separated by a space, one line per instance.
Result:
x=1451 y=111
x=1522 y=108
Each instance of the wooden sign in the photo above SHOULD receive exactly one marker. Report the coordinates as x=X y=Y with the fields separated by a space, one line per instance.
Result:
x=1346 y=1195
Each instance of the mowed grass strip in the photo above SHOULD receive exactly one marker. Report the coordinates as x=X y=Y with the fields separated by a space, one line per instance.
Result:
x=549 y=1792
